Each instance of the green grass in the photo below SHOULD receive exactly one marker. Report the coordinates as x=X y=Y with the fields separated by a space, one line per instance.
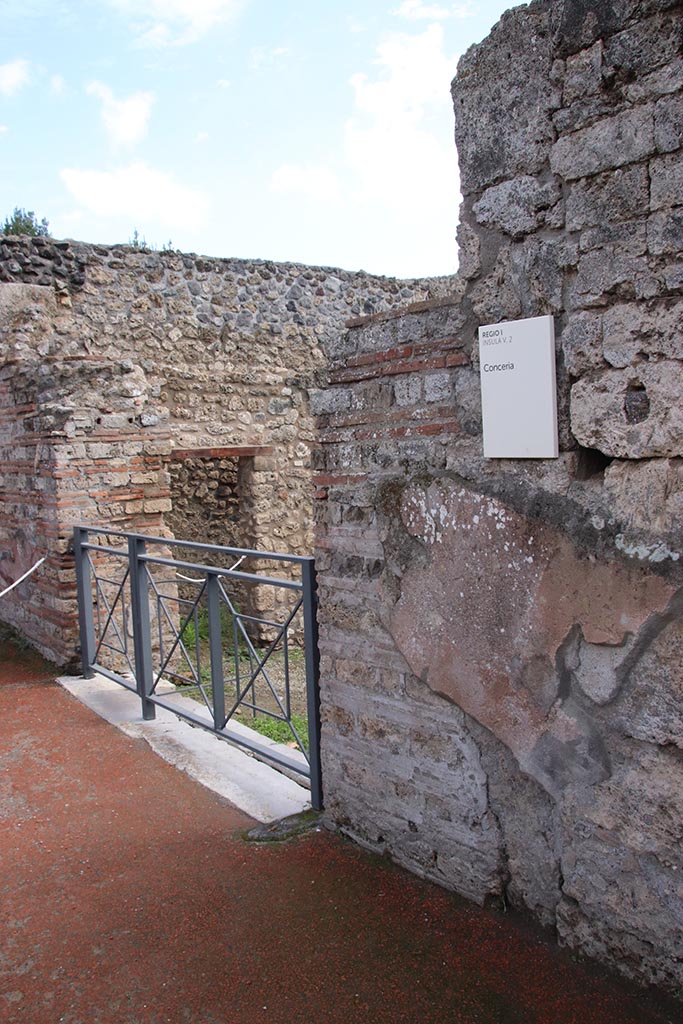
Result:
x=277 y=730
x=273 y=728
x=200 y=632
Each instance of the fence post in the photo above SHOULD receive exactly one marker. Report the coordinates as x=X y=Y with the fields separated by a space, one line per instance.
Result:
x=216 y=651
x=86 y=621
x=142 y=637
x=310 y=602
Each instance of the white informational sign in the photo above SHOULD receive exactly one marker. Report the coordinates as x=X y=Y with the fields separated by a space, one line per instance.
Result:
x=518 y=390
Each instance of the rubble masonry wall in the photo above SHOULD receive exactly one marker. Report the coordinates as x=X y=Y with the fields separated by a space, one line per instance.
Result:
x=113 y=358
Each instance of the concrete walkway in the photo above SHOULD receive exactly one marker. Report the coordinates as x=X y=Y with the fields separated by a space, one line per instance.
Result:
x=130 y=896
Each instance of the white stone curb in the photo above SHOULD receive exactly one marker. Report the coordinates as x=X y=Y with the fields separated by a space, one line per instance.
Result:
x=250 y=785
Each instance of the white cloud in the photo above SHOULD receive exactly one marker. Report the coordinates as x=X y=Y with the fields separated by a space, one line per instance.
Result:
x=161 y=23
x=3 y=129
x=398 y=143
x=315 y=181
x=416 y=10
x=13 y=77
x=416 y=74
x=223 y=83
x=260 y=57
x=124 y=120
x=138 y=192
x=396 y=175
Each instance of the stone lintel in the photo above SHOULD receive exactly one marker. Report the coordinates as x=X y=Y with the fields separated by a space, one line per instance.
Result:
x=230 y=452
x=396 y=314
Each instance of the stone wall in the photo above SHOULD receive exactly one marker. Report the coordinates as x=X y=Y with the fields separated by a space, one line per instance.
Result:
x=208 y=499
x=115 y=358
x=502 y=640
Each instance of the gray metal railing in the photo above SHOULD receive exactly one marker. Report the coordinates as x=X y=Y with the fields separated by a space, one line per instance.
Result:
x=150 y=626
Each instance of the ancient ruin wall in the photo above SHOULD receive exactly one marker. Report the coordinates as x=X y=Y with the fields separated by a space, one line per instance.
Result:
x=208 y=503
x=502 y=640
x=120 y=357
x=72 y=451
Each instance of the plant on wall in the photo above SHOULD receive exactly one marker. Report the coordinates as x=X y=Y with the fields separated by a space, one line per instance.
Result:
x=25 y=222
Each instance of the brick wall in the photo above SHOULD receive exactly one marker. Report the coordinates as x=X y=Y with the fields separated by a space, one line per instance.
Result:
x=72 y=449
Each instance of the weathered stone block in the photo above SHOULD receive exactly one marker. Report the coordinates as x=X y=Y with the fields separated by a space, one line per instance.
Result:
x=608 y=273
x=617 y=195
x=658 y=83
x=408 y=390
x=632 y=413
x=134 y=507
x=27 y=312
x=495 y=296
x=584 y=112
x=540 y=267
x=158 y=505
x=496 y=138
x=673 y=277
x=577 y=26
x=613 y=142
x=582 y=343
x=468 y=400
x=469 y=251
x=597 y=669
x=623 y=238
x=371 y=396
x=527 y=280
x=517 y=207
x=645 y=45
x=666 y=181
x=583 y=73
x=633 y=333
x=668 y=123
x=438 y=387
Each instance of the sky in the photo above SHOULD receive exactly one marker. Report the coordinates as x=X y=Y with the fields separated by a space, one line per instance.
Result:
x=312 y=131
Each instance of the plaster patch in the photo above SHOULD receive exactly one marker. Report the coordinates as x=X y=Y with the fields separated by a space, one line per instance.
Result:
x=494 y=651
x=646 y=552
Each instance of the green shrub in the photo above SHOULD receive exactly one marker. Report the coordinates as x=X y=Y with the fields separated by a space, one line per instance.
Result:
x=25 y=222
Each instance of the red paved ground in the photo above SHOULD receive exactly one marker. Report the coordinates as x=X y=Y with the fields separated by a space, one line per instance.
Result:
x=130 y=897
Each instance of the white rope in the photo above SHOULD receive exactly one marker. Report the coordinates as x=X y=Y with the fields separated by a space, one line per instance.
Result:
x=22 y=578
x=189 y=579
